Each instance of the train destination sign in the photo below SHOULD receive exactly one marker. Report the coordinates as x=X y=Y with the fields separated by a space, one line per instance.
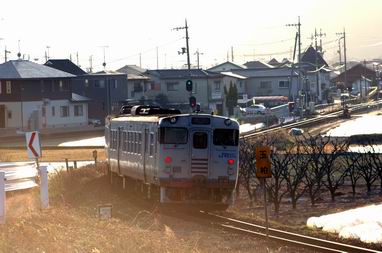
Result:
x=263 y=162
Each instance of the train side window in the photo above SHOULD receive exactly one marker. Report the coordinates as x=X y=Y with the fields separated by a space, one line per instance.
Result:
x=135 y=142
x=124 y=141
x=152 y=143
x=139 y=143
x=130 y=141
x=200 y=140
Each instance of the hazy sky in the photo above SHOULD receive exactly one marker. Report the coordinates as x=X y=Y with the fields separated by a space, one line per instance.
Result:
x=255 y=29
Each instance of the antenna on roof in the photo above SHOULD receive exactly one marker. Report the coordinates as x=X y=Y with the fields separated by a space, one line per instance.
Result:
x=19 y=54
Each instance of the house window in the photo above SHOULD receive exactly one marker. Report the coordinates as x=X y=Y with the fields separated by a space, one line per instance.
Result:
x=241 y=84
x=217 y=86
x=78 y=110
x=86 y=83
x=8 y=87
x=53 y=111
x=63 y=86
x=64 y=111
x=265 y=84
x=137 y=87
x=283 y=84
x=172 y=86
x=9 y=114
x=99 y=83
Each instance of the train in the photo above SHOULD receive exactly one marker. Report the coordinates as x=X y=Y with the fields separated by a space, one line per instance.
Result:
x=174 y=157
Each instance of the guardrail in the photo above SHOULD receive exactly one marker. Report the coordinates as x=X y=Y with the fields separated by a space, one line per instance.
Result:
x=19 y=175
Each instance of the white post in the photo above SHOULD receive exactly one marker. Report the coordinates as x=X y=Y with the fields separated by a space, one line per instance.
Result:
x=2 y=197
x=44 y=187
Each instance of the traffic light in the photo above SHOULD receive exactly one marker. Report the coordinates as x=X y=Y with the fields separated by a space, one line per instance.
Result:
x=189 y=85
x=192 y=102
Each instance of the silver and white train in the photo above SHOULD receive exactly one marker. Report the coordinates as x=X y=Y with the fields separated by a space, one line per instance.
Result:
x=178 y=158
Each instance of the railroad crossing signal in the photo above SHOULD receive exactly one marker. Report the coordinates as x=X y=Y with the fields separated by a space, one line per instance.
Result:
x=263 y=162
x=33 y=144
x=189 y=85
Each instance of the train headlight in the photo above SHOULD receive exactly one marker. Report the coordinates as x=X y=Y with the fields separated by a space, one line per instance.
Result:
x=173 y=120
x=227 y=122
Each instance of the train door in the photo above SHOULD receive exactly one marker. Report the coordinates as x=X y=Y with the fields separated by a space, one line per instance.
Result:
x=199 y=152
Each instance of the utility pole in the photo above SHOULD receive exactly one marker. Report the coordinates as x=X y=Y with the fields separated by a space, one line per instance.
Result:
x=78 y=61
x=140 y=60
x=157 y=59
x=91 y=64
x=197 y=56
x=343 y=36
x=232 y=53
x=187 y=49
x=298 y=25
x=339 y=51
x=47 y=56
x=318 y=52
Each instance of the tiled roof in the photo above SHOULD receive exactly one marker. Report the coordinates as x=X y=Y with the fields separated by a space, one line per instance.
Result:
x=22 y=69
x=266 y=72
x=79 y=98
x=309 y=56
x=178 y=73
x=257 y=64
x=65 y=65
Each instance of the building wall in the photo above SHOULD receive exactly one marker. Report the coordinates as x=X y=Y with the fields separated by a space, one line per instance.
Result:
x=33 y=118
x=255 y=86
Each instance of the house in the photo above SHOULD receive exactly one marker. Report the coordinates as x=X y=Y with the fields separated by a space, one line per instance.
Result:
x=257 y=65
x=316 y=75
x=226 y=66
x=353 y=74
x=361 y=86
x=138 y=84
x=270 y=82
x=34 y=96
x=106 y=89
x=65 y=65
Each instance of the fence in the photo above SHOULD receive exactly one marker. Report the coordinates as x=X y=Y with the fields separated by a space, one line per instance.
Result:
x=19 y=175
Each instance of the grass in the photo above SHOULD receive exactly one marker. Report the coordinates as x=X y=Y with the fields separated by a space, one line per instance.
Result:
x=16 y=154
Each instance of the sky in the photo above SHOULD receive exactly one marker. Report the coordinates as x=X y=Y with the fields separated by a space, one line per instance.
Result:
x=140 y=32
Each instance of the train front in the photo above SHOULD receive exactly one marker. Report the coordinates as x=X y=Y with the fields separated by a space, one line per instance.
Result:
x=198 y=159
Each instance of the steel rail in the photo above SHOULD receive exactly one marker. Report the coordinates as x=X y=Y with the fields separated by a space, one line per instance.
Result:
x=306 y=122
x=285 y=236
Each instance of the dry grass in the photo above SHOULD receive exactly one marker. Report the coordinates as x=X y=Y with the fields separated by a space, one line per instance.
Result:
x=15 y=154
x=71 y=223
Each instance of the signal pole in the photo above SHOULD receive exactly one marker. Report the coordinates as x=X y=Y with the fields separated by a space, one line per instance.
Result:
x=187 y=46
x=299 y=88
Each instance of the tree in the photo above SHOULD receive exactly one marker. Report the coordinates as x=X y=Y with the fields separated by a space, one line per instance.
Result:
x=231 y=97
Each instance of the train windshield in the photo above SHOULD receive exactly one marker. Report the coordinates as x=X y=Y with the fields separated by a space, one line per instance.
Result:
x=173 y=135
x=226 y=137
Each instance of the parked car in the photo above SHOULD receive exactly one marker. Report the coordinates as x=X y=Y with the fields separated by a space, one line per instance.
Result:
x=254 y=109
x=95 y=122
x=296 y=132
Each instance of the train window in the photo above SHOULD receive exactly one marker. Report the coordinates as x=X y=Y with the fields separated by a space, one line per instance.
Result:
x=200 y=140
x=135 y=142
x=124 y=141
x=129 y=141
x=173 y=135
x=139 y=143
x=226 y=137
x=151 y=150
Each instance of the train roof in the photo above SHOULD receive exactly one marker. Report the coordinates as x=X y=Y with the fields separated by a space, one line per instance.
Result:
x=157 y=118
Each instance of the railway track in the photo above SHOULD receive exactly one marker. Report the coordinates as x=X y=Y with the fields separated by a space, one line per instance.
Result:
x=311 y=121
x=292 y=239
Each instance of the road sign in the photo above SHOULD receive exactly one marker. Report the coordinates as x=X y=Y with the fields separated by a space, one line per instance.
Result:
x=33 y=144
x=263 y=162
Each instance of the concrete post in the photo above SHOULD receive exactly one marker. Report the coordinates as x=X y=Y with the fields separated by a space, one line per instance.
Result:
x=2 y=197
x=44 y=194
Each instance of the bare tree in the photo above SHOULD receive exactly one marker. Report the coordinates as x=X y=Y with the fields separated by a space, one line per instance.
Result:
x=364 y=165
x=348 y=161
x=276 y=185
x=295 y=173
x=247 y=168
